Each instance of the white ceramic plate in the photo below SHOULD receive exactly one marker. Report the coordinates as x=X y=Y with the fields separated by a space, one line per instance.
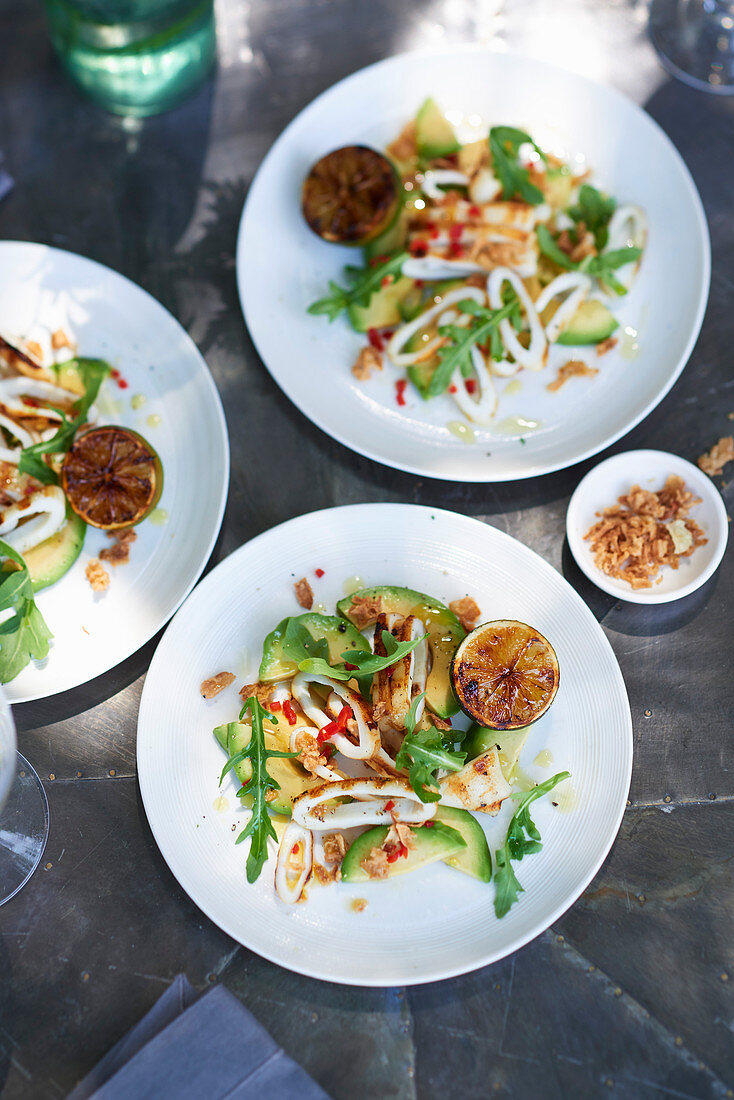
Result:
x=437 y=922
x=601 y=488
x=282 y=267
x=114 y=319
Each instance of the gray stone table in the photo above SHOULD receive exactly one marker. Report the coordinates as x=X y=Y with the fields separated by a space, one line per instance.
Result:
x=630 y=993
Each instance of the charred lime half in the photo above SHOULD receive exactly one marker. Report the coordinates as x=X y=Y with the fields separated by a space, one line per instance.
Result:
x=505 y=674
x=112 y=477
x=351 y=195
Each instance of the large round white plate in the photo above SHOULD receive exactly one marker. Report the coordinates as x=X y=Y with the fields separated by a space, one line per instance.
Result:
x=114 y=319
x=437 y=922
x=282 y=267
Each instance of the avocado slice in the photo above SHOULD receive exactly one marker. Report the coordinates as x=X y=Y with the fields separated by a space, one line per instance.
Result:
x=390 y=241
x=339 y=634
x=293 y=779
x=383 y=309
x=591 y=323
x=475 y=859
x=510 y=744
x=48 y=561
x=434 y=134
x=444 y=635
x=431 y=845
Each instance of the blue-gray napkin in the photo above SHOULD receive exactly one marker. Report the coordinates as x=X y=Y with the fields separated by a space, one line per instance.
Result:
x=6 y=181
x=197 y=1049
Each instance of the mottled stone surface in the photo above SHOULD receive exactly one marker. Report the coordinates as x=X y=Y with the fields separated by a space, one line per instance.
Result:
x=630 y=994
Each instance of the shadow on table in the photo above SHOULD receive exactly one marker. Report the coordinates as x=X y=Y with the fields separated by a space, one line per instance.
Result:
x=639 y=620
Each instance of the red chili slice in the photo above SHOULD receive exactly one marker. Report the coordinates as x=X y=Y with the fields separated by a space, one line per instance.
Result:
x=474 y=212
x=375 y=339
x=276 y=706
x=289 y=712
x=400 y=387
x=456 y=250
x=319 y=572
x=389 y=805
x=471 y=385
x=455 y=232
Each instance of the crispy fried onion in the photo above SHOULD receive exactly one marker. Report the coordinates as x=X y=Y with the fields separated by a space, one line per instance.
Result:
x=321 y=770
x=34 y=519
x=401 y=335
x=295 y=860
x=311 y=809
x=480 y=785
x=575 y=286
x=532 y=357
x=368 y=736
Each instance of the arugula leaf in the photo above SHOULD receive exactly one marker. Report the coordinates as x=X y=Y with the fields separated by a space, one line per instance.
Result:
x=260 y=826
x=457 y=353
x=547 y=245
x=366 y=663
x=93 y=373
x=599 y=267
x=422 y=753
x=299 y=643
x=504 y=144
x=602 y=266
x=365 y=281
x=594 y=209
x=523 y=839
x=24 y=634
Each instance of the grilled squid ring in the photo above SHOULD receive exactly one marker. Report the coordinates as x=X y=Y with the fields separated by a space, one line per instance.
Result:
x=534 y=356
x=401 y=336
x=576 y=286
x=44 y=514
x=294 y=863
x=480 y=409
x=368 y=734
x=373 y=795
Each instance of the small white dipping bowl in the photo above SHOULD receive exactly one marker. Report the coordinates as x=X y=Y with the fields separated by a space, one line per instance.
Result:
x=649 y=469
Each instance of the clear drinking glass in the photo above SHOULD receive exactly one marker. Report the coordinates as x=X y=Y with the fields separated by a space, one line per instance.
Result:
x=695 y=40
x=23 y=812
x=134 y=57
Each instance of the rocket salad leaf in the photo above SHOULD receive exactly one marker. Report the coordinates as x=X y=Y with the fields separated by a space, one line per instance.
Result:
x=422 y=753
x=364 y=282
x=24 y=634
x=260 y=827
x=504 y=145
x=523 y=839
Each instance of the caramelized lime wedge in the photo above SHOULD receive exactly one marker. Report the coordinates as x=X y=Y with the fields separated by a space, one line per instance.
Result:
x=505 y=674
x=351 y=195
x=112 y=477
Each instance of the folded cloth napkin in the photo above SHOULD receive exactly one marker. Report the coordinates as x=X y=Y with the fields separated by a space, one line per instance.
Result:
x=190 y=1048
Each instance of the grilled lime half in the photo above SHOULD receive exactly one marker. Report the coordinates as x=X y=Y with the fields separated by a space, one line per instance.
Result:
x=351 y=196
x=505 y=674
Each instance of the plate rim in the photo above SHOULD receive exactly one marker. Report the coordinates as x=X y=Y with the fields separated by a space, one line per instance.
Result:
x=438 y=973
x=479 y=476
x=221 y=420
x=644 y=596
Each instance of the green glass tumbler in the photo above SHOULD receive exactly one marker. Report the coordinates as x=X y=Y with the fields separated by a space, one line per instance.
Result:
x=134 y=57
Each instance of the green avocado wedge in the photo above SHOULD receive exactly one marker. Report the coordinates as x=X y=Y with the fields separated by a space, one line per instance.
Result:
x=591 y=323
x=444 y=635
x=474 y=859
x=339 y=635
x=293 y=779
x=510 y=744
x=51 y=559
x=434 y=134
x=432 y=844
